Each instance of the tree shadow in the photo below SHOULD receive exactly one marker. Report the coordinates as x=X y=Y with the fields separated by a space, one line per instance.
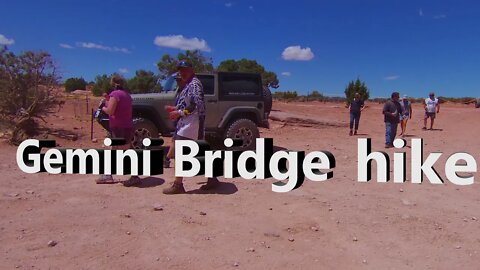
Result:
x=150 y=182
x=224 y=188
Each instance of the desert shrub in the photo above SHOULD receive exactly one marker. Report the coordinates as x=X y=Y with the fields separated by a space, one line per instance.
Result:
x=144 y=82
x=72 y=84
x=315 y=95
x=28 y=91
x=287 y=95
x=356 y=86
x=101 y=85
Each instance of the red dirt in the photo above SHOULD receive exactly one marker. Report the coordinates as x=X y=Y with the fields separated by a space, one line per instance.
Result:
x=336 y=224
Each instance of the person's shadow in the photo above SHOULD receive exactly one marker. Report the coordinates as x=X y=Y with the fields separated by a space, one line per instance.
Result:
x=150 y=182
x=224 y=188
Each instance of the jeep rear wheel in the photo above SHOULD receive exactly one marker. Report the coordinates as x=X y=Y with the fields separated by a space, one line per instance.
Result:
x=143 y=128
x=246 y=130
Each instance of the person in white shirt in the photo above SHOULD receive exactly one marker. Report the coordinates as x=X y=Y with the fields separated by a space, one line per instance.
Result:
x=432 y=107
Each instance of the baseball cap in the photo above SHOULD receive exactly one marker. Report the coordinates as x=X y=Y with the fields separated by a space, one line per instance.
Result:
x=184 y=64
x=431 y=94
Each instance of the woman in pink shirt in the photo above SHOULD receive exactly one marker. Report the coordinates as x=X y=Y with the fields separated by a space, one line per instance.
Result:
x=119 y=110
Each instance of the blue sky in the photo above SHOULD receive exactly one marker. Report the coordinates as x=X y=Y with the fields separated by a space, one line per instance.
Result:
x=409 y=46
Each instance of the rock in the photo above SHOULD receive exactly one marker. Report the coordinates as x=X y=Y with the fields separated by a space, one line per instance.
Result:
x=13 y=195
x=291 y=239
x=157 y=207
x=401 y=190
x=236 y=264
x=465 y=220
x=458 y=247
x=474 y=218
x=30 y=192
x=406 y=202
x=315 y=229
x=203 y=213
x=128 y=233
x=330 y=209
x=270 y=208
x=94 y=140
x=127 y=215
x=52 y=243
x=354 y=239
x=250 y=250
x=364 y=261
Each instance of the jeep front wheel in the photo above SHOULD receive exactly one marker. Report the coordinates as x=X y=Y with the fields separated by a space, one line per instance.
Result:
x=244 y=129
x=142 y=128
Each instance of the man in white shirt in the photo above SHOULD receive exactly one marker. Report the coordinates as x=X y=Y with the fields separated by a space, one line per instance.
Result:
x=432 y=107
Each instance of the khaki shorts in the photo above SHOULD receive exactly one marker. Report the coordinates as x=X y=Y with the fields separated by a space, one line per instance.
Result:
x=430 y=114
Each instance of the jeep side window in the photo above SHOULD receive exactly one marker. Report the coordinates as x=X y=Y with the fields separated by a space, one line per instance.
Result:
x=170 y=84
x=208 y=83
x=243 y=86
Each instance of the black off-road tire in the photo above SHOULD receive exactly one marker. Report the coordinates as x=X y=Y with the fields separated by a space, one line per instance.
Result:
x=244 y=129
x=267 y=99
x=477 y=103
x=142 y=128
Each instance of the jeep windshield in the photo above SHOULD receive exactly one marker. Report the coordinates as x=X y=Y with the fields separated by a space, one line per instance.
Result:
x=170 y=84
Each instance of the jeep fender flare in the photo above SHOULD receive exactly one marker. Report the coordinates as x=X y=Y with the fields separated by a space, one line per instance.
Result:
x=247 y=112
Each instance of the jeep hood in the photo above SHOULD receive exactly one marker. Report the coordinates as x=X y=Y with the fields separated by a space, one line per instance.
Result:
x=142 y=98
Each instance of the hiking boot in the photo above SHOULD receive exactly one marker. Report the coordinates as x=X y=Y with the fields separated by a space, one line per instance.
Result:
x=174 y=189
x=211 y=184
x=350 y=133
x=132 y=181
x=355 y=133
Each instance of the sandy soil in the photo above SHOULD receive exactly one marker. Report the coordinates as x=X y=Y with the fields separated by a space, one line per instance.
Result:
x=336 y=224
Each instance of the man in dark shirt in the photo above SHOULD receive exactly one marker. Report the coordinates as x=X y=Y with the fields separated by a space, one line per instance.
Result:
x=356 y=107
x=391 y=111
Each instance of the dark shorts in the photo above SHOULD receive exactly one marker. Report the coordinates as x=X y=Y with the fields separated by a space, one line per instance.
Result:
x=126 y=133
x=430 y=114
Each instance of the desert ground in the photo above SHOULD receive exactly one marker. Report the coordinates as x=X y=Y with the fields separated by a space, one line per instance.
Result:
x=336 y=224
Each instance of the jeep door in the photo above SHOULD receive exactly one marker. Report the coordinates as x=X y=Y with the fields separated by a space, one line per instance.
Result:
x=211 y=100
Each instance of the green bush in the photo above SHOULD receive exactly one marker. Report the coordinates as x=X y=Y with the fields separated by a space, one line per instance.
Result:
x=356 y=87
x=101 y=85
x=73 y=84
x=144 y=82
